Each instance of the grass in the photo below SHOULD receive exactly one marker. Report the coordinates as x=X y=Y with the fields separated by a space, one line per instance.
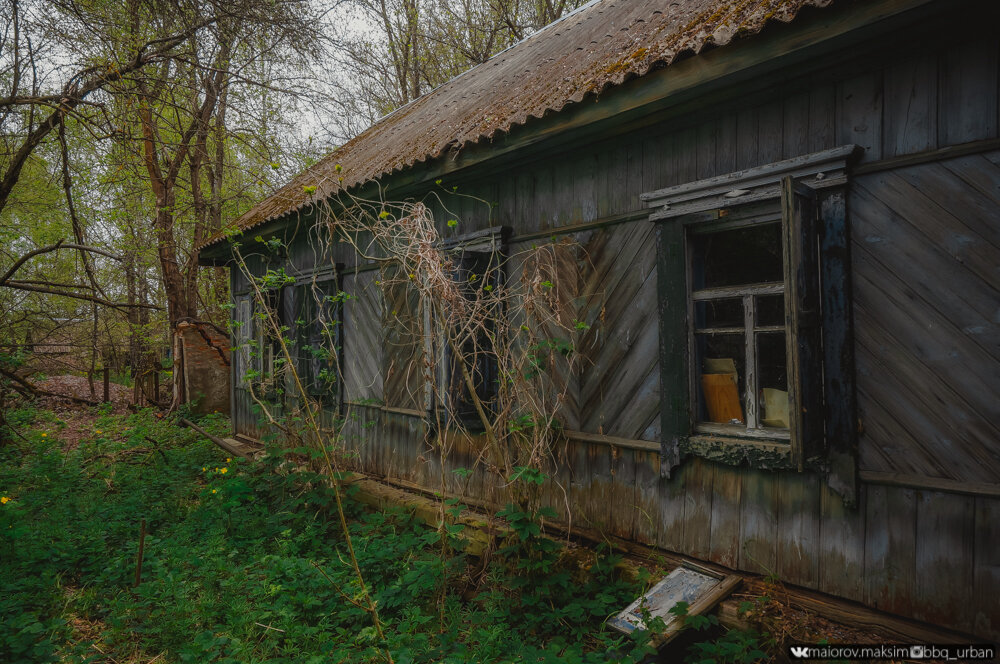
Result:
x=233 y=560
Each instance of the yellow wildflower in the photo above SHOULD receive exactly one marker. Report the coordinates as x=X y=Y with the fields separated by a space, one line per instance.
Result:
x=44 y=434
x=228 y=459
x=98 y=431
x=4 y=500
x=213 y=490
x=203 y=469
x=224 y=471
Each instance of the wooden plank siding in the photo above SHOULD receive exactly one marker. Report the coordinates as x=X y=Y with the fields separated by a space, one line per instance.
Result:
x=925 y=256
x=363 y=336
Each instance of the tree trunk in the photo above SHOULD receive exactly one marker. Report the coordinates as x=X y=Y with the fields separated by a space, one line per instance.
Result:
x=134 y=340
x=166 y=249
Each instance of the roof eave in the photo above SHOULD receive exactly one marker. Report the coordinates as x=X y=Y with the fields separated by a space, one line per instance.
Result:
x=783 y=46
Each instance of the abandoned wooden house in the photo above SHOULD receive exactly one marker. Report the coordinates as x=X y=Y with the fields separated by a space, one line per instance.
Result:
x=824 y=410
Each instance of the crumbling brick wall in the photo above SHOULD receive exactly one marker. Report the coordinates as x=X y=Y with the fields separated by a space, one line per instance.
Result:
x=205 y=366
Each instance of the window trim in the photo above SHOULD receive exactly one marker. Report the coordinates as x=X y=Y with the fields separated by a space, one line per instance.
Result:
x=738 y=199
x=268 y=360
x=700 y=228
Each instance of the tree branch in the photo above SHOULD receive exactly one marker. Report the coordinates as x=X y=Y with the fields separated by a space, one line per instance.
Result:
x=23 y=286
x=75 y=91
x=50 y=248
x=77 y=226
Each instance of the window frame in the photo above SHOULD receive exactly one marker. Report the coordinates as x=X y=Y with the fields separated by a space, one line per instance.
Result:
x=329 y=284
x=732 y=221
x=809 y=193
x=467 y=251
x=268 y=347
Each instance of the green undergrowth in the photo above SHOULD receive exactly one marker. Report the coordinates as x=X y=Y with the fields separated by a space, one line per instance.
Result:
x=246 y=563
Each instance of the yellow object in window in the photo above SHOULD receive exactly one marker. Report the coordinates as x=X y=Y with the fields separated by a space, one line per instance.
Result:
x=722 y=398
x=775 y=408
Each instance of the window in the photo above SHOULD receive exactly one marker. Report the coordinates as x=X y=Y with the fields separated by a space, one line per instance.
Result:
x=266 y=355
x=318 y=343
x=737 y=330
x=755 y=340
x=477 y=262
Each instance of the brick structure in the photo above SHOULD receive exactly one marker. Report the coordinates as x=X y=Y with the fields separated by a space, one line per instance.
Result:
x=204 y=366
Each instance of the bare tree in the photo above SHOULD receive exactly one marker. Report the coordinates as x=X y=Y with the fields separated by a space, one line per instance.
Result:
x=391 y=52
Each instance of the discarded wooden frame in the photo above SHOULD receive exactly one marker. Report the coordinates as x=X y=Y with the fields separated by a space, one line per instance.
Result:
x=700 y=587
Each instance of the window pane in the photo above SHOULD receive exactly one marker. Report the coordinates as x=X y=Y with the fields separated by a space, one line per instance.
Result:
x=718 y=313
x=771 y=310
x=721 y=376
x=748 y=255
x=772 y=374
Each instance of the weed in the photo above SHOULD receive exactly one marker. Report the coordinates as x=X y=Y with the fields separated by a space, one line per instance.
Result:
x=248 y=565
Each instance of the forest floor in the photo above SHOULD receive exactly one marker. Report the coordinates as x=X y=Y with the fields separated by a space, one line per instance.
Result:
x=79 y=386
x=247 y=562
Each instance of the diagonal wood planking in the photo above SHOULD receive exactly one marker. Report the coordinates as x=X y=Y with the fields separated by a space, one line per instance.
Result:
x=619 y=382
x=926 y=245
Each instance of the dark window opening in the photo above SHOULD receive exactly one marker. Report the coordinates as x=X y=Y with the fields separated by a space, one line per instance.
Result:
x=318 y=338
x=479 y=276
x=738 y=329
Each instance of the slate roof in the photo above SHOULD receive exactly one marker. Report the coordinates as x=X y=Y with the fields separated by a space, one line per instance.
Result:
x=598 y=46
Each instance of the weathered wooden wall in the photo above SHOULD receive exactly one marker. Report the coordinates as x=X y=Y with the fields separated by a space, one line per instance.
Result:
x=926 y=265
x=925 y=239
x=927 y=310
x=241 y=403
x=929 y=555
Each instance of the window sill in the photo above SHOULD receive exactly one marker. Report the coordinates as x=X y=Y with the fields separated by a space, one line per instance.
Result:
x=737 y=451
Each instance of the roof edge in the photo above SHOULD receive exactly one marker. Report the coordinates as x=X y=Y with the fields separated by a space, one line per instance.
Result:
x=656 y=84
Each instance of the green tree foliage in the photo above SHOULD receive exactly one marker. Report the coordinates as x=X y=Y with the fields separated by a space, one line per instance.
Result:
x=137 y=128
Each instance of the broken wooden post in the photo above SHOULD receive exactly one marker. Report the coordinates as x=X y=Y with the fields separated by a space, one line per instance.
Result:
x=142 y=545
x=215 y=439
x=107 y=385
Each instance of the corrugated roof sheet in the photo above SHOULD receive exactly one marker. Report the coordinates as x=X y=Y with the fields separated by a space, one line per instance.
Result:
x=600 y=45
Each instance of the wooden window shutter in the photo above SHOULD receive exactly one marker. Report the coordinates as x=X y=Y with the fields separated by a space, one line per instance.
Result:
x=838 y=348
x=324 y=339
x=803 y=320
x=672 y=312
x=258 y=325
x=286 y=318
x=289 y=301
x=299 y=331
